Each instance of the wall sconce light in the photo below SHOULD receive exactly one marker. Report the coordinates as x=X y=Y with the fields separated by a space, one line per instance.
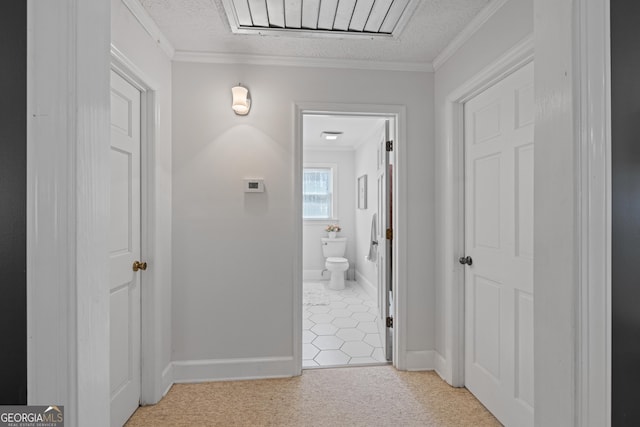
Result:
x=241 y=101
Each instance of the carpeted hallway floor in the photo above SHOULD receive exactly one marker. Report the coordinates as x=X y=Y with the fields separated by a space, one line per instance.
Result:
x=363 y=396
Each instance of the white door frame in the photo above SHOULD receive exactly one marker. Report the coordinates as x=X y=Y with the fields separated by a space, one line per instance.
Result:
x=453 y=187
x=150 y=352
x=592 y=112
x=67 y=200
x=398 y=112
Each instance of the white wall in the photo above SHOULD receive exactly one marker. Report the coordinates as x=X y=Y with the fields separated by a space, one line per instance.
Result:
x=128 y=36
x=509 y=25
x=232 y=264
x=366 y=161
x=312 y=231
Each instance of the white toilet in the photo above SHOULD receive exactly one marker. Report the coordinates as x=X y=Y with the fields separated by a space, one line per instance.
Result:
x=334 y=250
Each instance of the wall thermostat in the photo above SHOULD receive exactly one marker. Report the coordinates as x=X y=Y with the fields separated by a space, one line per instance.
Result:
x=254 y=185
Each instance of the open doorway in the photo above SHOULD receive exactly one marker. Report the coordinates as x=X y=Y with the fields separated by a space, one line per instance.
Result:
x=347 y=239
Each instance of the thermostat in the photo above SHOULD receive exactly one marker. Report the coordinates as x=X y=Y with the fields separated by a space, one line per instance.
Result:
x=254 y=185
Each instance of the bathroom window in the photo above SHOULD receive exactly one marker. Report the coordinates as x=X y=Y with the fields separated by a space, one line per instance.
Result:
x=318 y=192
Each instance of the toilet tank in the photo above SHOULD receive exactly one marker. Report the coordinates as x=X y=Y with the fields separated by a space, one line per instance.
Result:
x=334 y=247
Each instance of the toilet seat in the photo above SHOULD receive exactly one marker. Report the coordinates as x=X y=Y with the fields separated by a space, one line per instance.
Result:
x=337 y=259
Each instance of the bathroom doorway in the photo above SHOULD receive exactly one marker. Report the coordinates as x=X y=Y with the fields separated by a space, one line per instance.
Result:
x=347 y=238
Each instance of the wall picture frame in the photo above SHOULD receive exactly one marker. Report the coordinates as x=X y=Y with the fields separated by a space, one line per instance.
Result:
x=362 y=192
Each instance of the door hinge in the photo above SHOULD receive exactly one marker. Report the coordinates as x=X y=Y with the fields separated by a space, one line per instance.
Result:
x=389 y=322
x=389 y=145
x=389 y=234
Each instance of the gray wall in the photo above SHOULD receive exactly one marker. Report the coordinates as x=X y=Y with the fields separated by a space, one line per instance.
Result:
x=366 y=161
x=232 y=265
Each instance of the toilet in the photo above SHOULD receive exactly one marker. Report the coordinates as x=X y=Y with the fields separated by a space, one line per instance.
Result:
x=334 y=250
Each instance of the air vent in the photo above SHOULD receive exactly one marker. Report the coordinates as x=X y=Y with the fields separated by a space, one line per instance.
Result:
x=313 y=18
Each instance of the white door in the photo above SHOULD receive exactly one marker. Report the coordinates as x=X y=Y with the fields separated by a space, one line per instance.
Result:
x=124 y=244
x=384 y=239
x=498 y=129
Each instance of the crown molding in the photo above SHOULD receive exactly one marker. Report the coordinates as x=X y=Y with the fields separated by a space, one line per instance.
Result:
x=472 y=27
x=291 y=61
x=149 y=25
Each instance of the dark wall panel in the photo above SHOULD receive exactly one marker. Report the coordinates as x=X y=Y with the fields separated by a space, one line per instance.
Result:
x=13 y=189
x=625 y=92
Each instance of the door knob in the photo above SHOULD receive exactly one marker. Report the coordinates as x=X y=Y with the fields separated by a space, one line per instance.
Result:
x=137 y=265
x=465 y=260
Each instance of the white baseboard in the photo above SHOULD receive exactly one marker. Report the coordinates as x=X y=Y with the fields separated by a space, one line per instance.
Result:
x=369 y=287
x=167 y=379
x=195 y=371
x=441 y=367
x=420 y=360
x=315 y=275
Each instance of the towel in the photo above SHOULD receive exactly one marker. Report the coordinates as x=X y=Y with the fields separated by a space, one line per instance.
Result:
x=373 y=244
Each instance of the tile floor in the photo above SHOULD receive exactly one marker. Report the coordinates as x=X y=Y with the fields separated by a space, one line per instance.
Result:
x=339 y=327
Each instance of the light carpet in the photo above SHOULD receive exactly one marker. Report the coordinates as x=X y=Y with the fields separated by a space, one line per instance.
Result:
x=364 y=396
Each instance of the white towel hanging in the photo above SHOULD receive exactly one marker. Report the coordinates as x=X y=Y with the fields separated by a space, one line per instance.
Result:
x=373 y=243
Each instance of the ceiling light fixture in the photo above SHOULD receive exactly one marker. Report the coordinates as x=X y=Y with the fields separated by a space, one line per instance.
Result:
x=331 y=135
x=241 y=101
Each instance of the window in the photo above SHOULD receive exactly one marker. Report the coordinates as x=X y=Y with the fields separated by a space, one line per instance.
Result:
x=318 y=195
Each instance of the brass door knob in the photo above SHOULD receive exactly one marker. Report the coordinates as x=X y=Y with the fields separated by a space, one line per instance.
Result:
x=137 y=265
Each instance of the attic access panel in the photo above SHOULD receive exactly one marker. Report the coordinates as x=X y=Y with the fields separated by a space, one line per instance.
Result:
x=320 y=18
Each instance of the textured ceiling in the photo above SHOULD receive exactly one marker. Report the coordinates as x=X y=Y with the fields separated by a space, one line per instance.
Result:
x=202 y=26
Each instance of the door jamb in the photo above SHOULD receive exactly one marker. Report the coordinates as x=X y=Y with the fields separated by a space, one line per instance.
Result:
x=398 y=112
x=517 y=57
x=593 y=134
x=150 y=351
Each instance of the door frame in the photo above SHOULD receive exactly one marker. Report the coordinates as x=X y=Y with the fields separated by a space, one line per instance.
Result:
x=592 y=59
x=67 y=197
x=398 y=113
x=150 y=361
x=453 y=188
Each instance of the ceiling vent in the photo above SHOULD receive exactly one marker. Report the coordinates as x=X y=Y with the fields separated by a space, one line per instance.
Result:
x=320 y=18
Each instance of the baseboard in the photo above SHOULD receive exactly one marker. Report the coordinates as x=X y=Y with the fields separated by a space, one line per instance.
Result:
x=420 y=360
x=195 y=371
x=167 y=379
x=370 y=288
x=441 y=368
x=315 y=275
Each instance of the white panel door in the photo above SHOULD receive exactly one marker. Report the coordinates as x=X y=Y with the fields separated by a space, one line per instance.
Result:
x=498 y=126
x=124 y=246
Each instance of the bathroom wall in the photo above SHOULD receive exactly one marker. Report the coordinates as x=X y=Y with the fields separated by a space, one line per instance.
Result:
x=130 y=38
x=312 y=231
x=233 y=251
x=509 y=25
x=366 y=160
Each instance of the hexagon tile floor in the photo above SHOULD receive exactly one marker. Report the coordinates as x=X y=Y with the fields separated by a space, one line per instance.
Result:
x=339 y=327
